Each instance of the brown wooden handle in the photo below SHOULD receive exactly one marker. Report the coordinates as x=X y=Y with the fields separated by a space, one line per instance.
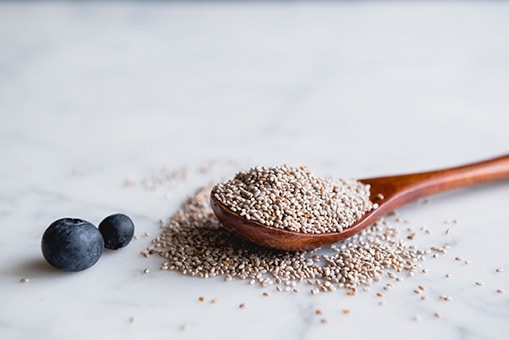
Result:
x=417 y=185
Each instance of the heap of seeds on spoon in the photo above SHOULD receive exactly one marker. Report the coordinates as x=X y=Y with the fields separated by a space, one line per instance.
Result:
x=295 y=199
x=194 y=243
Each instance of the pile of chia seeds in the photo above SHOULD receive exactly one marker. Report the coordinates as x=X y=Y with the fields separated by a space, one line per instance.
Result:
x=194 y=243
x=295 y=199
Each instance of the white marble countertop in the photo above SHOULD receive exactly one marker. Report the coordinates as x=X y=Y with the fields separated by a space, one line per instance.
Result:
x=93 y=95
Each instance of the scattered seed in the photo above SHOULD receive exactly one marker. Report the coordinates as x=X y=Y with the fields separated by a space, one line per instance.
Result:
x=445 y=298
x=345 y=311
x=24 y=280
x=129 y=182
x=448 y=275
x=242 y=305
x=265 y=294
x=437 y=315
x=213 y=301
x=146 y=271
x=421 y=287
x=318 y=312
x=323 y=321
x=379 y=294
x=499 y=270
x=201 y=299
x=424 y=298
x=500 y=291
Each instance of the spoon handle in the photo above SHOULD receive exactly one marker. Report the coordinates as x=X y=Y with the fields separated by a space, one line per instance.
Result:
x=413 y=186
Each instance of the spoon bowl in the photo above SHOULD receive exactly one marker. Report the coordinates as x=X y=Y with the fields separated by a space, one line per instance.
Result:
x=387 y=193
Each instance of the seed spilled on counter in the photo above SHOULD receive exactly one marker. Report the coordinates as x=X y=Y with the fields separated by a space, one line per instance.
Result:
x=294 y=199
x=194 y=243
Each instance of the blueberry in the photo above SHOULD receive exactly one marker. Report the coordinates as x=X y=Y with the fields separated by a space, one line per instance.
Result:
x=117 y=231
x=71 y=244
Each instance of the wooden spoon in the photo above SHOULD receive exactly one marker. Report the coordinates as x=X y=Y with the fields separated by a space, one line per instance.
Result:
x=388 y=192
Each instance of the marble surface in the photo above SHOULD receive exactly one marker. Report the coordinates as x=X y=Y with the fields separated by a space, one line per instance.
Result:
x=97 y=96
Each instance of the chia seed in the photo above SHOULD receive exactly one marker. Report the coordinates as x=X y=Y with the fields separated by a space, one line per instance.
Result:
x=194 y=243
x=295 y=199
